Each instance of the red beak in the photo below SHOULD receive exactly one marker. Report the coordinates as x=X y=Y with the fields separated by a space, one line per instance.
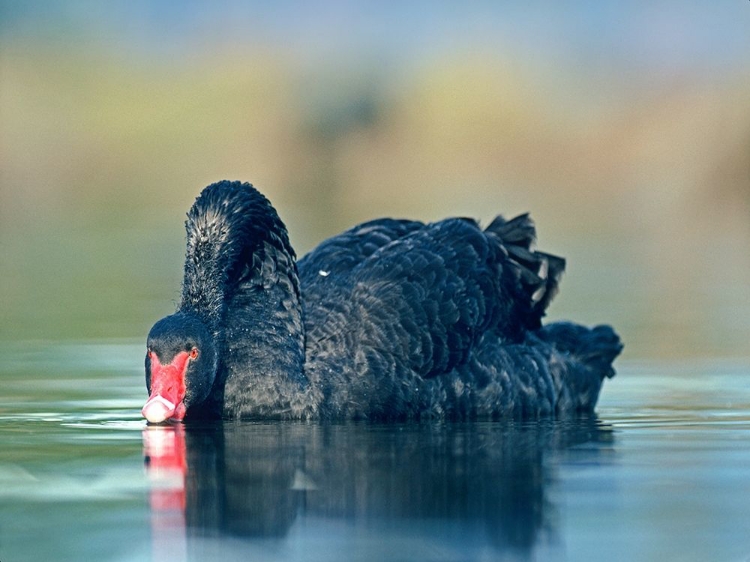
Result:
x=167 y=389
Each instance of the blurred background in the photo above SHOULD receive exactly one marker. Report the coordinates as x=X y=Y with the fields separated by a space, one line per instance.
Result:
x=622 y=127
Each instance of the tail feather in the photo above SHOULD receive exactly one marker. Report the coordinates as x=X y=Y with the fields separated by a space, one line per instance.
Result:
x=518 y=231
x=582 y=361
x=539 y=273
x=596 y=348
x=554 y=267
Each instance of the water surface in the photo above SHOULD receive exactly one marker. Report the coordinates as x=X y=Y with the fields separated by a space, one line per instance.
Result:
x=663 y=472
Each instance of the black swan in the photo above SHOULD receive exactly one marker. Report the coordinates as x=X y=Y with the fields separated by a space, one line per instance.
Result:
x=390 y=320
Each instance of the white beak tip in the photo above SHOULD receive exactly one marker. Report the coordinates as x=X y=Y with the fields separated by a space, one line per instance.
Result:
x=158 y=409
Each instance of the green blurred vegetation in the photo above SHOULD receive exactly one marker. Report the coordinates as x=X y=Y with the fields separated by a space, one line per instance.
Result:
x=642 y=180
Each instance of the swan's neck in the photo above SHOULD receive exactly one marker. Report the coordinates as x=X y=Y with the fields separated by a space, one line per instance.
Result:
x=235 y=242
x=264 y=356
x=241 y=280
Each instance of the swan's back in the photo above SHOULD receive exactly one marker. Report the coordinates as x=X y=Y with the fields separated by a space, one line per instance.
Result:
x=411 y=319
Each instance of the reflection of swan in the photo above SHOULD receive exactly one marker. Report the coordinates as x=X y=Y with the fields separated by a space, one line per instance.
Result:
x=483 y=480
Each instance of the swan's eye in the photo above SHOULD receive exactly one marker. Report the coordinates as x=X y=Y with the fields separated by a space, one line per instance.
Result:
x=194 y=353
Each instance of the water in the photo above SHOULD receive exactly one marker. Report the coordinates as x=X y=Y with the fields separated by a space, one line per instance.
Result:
x=663 y=473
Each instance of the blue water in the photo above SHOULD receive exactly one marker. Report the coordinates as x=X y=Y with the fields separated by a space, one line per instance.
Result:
x=662 y=473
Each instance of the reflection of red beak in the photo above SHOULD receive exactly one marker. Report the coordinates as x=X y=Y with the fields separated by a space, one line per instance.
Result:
x=165 y=456
x=167 y=389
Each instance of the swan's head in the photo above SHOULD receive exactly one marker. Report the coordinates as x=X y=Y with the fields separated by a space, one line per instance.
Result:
x=180 y=367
